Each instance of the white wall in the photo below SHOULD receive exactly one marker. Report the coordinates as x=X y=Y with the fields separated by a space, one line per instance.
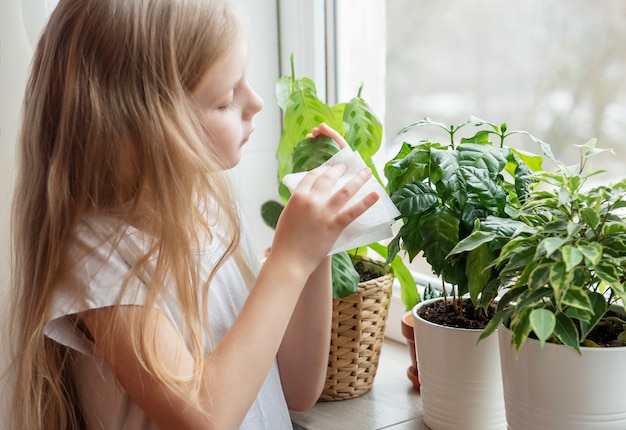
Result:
x=15 y=53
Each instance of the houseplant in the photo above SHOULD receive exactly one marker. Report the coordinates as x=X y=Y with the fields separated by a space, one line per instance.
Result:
x=562 y=320
x=360 y=305
x=441 y=191
x=357 y=122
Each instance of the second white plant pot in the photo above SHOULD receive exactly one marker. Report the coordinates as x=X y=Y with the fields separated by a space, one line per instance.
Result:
x=461 y=383
x=555 y=388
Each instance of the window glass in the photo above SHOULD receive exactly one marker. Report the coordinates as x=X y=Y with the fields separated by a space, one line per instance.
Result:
x=555 y=69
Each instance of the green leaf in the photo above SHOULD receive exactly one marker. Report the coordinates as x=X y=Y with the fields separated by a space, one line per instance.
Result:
x=473 y=241
x=303 y=111
x=364 y=131
x=270 y=212
x=533 y=297
x=408 y=287
x=411 y=238
x=576 y=297
x=548 y=246
x=572 y=257
x=439 y=230
x=311 y=153
x=560 y=279
x=565 y=330
x=480 y=167
x=414 y=199
x=608 y=273
x=591 y=217
x=533 y=161
x=495 y=322
x=592 y=253
x=409 y=165
x=520 y=328
x=539 y=276
x=445 y=174
x=599 y=306
x=477 y=271
x=345 y=279
x=542 y=322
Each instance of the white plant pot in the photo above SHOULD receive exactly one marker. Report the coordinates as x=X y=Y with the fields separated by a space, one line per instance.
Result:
x=555 y=388
x=461 y=384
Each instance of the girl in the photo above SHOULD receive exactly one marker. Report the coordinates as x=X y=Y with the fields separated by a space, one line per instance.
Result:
x=138 y=300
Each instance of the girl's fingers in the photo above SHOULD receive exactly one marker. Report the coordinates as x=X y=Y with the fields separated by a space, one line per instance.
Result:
x=323 y=174
x=350 y=188
x=345 y=217
x=326 y=130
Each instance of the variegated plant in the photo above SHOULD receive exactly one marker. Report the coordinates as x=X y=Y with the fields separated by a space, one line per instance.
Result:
x=564 y=265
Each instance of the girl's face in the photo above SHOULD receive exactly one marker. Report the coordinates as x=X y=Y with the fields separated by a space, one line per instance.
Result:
x=228 y=104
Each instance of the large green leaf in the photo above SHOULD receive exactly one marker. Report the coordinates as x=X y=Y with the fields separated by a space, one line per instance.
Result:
x=480 y=167
x=409 y=165
x=477 y=271
x=414 y=199
x=310 y=153
x=411 y=238
x=287 y=85
x=302 y=111
x=473 y=241
x=445 y=174
x=364 y=130
x=345 y=279
x=439 y=229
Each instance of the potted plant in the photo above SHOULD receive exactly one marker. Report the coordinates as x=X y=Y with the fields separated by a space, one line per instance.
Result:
x=562 y=320
x=442 y=189
x=361 y=285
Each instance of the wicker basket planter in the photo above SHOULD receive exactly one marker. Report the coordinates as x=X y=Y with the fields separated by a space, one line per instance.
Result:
x=358 y=328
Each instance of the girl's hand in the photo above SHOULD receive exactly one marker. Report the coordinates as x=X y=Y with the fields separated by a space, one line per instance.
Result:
x=314 y=217
x=325 y=130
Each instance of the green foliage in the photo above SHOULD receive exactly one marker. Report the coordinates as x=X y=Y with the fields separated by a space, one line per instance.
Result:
x=565 y=263
x=442 y=189
x=355 y=120
x=270 y=212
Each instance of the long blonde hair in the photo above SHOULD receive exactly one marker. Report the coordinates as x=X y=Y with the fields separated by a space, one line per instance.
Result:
x=109 y=127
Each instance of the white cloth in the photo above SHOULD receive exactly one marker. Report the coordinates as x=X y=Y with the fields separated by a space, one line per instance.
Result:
x=95 y=282
x=373 y=225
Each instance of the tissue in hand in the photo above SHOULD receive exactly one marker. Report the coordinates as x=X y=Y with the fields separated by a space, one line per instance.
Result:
x=373 y=225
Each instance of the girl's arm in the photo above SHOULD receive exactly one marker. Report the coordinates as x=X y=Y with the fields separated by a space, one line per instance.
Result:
x=303 y=354
x=235 y=371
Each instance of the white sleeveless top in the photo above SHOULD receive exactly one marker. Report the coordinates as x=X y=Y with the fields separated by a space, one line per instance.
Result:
x=96 y=282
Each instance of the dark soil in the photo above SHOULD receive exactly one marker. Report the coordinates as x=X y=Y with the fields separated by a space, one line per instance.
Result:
x=367 y=272
x=606 y=332
x=469 y=318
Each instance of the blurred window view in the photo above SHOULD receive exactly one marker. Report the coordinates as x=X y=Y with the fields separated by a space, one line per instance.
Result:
x=556 y=69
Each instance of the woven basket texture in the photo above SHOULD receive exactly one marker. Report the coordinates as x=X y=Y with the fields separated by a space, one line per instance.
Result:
x=358 y=328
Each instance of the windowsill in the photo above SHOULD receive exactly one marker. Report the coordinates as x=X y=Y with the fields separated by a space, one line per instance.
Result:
x=392 y=403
